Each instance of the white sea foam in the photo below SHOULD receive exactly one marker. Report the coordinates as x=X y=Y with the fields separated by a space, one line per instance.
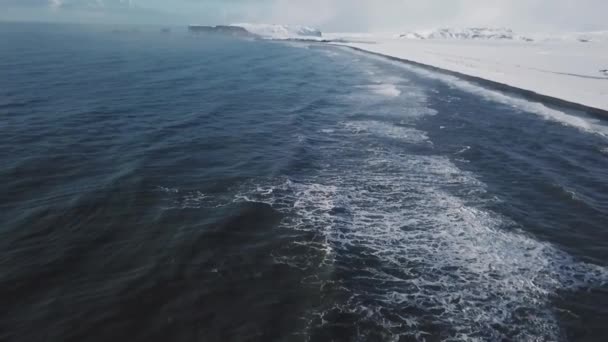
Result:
x=586 y=124
x=421 y=221
x=388 y=88
x=463 y=150
x=168 y=190
x=331 y=53
x=426 y=249
x=388 y=130
x=385 y=89
x=194 y=199
x=447 y=255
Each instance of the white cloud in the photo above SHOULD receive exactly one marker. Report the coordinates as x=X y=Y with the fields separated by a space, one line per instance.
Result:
x=91 y=4
x=354 y=15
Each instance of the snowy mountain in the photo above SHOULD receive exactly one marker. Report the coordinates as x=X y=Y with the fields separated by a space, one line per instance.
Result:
x=476 y=33
x=271 y=31
x=504 y=34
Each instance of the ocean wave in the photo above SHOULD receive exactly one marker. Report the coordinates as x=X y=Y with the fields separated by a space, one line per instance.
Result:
x=389 y=90
x=418 y=249
x=387 y=130
x=583 y=123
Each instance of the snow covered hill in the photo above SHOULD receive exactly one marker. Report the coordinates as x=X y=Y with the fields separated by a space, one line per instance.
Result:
x=504 y=34
x=271 y=31
x=472 y=33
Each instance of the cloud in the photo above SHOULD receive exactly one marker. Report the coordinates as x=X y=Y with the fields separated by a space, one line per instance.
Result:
x=24 y=3
x=92 y=4
x=66 y=4
x=351 y=15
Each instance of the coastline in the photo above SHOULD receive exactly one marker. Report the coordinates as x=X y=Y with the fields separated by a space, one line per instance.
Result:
x=558 y=73
x=525 y=93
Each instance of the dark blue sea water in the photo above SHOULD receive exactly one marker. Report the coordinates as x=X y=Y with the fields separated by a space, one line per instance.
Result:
x=165 y=187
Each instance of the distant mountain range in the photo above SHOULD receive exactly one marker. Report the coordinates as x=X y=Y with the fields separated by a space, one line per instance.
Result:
x=503 y=34
x=477 y=33
x=295 y=32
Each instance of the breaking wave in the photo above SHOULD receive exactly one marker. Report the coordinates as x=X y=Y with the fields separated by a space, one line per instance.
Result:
x=389 y=90
x=413 y=248
x=583 y=123
x=409 y=245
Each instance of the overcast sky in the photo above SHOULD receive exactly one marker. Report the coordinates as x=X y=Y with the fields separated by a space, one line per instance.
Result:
x=330 y=15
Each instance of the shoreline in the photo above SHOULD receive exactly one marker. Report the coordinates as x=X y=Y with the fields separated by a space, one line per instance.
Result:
x=525 y=93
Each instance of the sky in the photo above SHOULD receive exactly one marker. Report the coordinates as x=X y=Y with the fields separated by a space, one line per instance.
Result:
x=329 y=15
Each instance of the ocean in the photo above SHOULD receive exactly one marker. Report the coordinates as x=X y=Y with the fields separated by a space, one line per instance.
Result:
x=169 y=187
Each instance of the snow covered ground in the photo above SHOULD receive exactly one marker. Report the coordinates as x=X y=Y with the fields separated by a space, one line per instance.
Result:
x=563 y=67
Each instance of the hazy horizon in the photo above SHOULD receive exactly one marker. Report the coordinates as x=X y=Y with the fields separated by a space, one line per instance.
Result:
x=329 y=15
